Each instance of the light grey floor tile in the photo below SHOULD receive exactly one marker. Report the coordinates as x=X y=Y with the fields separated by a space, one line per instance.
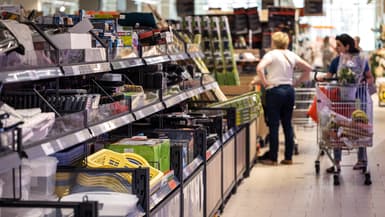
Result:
x=295 y=190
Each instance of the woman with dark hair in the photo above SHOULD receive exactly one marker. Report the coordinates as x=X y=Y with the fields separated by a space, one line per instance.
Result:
x=349 y=56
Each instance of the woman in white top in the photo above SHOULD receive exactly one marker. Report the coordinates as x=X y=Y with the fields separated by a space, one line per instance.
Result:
x=279 y=65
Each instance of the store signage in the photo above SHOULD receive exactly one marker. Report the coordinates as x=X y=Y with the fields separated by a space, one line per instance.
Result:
x=267 y=3
x=313 y=7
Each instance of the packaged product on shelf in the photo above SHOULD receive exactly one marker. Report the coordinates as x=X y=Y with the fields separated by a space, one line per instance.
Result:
x=72 y=40
x=43 y=175
x=35 y=127
x=155 y=151
x=18 y=37
x=356 y=130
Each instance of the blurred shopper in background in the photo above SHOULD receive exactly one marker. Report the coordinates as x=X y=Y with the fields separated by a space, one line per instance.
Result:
x=357 y=41
x=328 y=53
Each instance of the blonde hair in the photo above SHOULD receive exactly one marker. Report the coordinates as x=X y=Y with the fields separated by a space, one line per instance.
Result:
x=280 y=40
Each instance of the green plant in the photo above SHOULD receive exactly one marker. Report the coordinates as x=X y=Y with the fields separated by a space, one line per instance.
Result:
x=346 y=76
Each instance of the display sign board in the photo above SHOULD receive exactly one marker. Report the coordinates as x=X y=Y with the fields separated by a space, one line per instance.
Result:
x=185 y=7
x=313 y=7
x=267 y=3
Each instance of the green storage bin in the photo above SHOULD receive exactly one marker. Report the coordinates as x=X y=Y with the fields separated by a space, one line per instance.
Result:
x=155 y=151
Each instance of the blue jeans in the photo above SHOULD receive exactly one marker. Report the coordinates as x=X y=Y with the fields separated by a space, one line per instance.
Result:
x=279 y=107
x=361 y=154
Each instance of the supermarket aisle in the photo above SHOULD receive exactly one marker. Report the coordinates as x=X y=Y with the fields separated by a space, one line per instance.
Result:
x=295 y=190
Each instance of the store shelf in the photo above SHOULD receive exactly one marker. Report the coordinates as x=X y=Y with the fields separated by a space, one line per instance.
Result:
x=180 y=56
x=126 y=63
x=120 y=117
x=47 y=147
x=196 y=54
x=212 y=85
x=192 y=167
x=148 y=110
x=165 y=190
x=112 y=124
x=230 y=133
x=213 y=149
x=88 y=68
x=156 y=59
x=194 y=92
x=174 y=99
x=30 y=74
x=108 y=117
x=177 y=98
x=9 y=161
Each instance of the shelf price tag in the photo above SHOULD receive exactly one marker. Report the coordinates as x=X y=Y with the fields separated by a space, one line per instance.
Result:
x=180 y=56
x=172 y=184
x=156 y=59
x=208 y=154
x=47 y=148
x=135 y=62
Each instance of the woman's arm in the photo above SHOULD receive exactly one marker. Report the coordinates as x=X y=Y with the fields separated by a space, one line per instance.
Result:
x=306 y=69
x=261 y=71
x=369 y=77
x=332 y=70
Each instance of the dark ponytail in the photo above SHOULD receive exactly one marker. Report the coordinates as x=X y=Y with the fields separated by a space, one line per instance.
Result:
x=346 y=39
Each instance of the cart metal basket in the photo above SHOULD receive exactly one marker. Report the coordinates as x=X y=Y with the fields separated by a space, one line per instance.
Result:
x=345 y=121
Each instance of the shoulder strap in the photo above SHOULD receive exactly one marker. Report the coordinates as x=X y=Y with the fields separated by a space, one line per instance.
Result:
x=287 y=59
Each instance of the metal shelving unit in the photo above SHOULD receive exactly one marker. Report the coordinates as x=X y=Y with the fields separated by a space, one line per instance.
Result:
x=209 y=160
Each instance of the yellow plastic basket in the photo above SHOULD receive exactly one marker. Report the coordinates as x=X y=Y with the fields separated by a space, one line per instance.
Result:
x=106 y=158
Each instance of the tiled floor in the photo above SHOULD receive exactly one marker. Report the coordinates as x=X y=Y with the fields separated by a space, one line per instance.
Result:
x=296 y=191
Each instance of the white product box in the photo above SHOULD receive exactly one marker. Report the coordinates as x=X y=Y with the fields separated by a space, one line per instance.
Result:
x=72 y=40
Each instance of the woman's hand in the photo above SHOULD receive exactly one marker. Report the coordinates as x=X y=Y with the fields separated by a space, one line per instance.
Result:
x=254 y=82
x=267 y=85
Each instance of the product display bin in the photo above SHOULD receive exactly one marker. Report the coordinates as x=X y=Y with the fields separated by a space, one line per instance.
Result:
x=106 y=185
x=43 y=175
x=248 y=107
x=7 y=177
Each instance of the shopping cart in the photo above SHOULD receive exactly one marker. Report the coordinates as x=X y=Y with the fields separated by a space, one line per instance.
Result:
x=345 y=118
x=304 y=95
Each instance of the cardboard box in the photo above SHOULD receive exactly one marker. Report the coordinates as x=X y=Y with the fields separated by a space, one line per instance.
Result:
x=155 y=151
x=72 y=40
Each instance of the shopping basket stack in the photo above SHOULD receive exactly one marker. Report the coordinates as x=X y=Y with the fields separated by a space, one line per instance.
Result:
x=109 y=159
x=115 y=182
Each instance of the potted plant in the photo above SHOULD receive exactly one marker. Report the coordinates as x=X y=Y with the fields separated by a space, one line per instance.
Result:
x=346 y=76
x=348 y=81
